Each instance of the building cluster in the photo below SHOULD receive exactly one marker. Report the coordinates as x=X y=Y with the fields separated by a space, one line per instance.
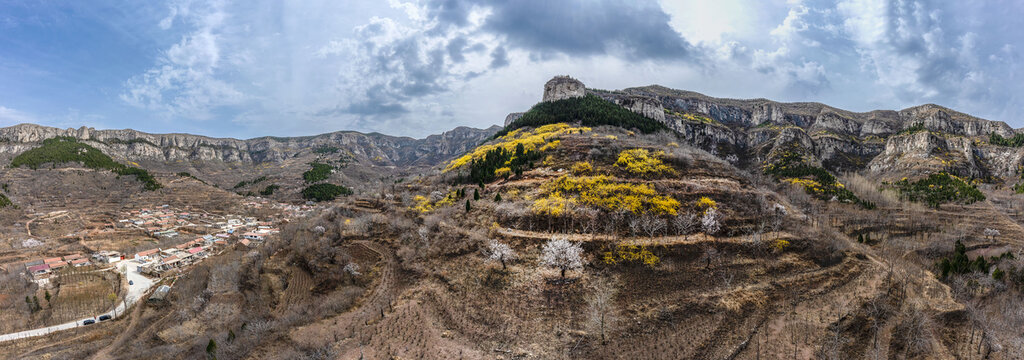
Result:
x=164 y=222
x=161 y=221
x=43 y=267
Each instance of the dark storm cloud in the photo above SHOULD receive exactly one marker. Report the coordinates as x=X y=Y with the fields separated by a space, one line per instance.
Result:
x=580 y=27
x=499 y=58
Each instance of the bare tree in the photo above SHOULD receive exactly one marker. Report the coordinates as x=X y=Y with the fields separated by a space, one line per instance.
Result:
x=684 y=223
x=652 y=224
x=635 y=224
x=600 y=307
x=562 y=254
x=500 y=252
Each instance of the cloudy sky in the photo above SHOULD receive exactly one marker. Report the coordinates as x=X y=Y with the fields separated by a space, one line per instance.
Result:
x=251 y=68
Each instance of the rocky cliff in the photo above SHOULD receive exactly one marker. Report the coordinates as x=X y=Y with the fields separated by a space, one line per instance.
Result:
x=132 y=145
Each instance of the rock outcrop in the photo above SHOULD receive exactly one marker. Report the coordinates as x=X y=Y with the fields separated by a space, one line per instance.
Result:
x=563 y=87
x=512 y=117
x=132 y=145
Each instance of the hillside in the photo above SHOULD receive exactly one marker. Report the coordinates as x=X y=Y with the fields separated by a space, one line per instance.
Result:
x=639 y=223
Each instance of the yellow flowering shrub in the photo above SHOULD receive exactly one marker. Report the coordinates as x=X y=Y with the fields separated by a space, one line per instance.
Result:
x=424 y=205
x=503 y=172
x=553 y=204
x=780 y=245
x=630 y=253
x=706 y=203
x=542 y=138
x=601 y=192
x=581 y=168
x=643 y=162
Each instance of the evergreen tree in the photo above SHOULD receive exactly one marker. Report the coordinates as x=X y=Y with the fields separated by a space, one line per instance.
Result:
x=860 y=238
x=476 y=195
x=497 y=197
x=211 y=348
x=468 y=206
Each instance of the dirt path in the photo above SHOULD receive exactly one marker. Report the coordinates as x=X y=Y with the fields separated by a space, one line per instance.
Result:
x=104 y=353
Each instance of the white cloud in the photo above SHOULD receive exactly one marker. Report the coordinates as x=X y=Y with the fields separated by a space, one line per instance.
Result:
x=10 y=117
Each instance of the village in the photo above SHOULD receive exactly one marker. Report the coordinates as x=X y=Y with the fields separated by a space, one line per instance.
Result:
x=164 y=222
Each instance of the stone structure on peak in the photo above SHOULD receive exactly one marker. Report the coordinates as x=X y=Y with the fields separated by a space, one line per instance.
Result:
x=563 y=87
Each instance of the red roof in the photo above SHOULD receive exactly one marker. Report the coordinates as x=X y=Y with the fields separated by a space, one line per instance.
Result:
x=194 y=250
x=79 y=261
x=39 y=268
x=53 y=260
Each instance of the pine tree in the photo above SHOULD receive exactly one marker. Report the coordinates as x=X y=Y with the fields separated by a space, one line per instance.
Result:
x=497 y=197
x=860 y=238
x=468 y=206
x=211 y=347
x=476 y=195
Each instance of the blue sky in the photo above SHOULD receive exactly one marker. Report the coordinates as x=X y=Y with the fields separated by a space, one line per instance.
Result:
x=252 y=68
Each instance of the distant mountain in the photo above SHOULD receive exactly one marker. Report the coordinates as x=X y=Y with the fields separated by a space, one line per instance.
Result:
x=137 y=146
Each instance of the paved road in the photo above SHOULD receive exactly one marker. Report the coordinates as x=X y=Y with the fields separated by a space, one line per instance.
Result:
x=140 y=285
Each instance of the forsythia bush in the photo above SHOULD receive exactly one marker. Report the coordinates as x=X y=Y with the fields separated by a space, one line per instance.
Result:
x=643 y=162
x=706 y=203
x=780 y=245
x=630 y=254
x=536 y=139
x=581 y=168
x=424 y=205
x=600 y=192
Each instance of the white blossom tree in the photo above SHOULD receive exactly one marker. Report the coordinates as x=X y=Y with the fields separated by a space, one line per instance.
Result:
x=710 y=222
x=991 y=234
x=500 y=252
x=562 y=254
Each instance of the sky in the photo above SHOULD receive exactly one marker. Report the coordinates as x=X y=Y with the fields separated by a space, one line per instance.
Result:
x=253 y=68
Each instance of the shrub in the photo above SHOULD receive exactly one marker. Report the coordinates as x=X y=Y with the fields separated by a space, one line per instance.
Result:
x=706 y=203
x=581 y=168
x=600 y=192
x=250 y=182
x=1016 y=141
x=269 y=190
x=324 y=192
x=938 y=189
x=816 y=181
x=630 y=253
x=4 y=201
x=644 y=163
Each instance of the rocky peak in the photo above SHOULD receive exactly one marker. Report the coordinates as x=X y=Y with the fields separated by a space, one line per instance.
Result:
x=563 y=87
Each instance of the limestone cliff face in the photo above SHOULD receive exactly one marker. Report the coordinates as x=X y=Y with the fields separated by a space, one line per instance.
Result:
x=512 y=117
x=643 y=105
x=132 y=145
x=563 y=87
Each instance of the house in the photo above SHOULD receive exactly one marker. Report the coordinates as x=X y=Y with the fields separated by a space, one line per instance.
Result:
x=146 y=255
x=58 y=266
x=245 y=242
x=159 y=295
x=106 y=257
x=73 y=257
x=80 y=262
x=34 y=263
x=39 y=269
x=53 y=260
x=197 y=252
x=253 y=236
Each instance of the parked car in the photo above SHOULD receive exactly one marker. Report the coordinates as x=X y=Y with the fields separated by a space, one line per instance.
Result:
x=88 y=322
x=104 y=317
